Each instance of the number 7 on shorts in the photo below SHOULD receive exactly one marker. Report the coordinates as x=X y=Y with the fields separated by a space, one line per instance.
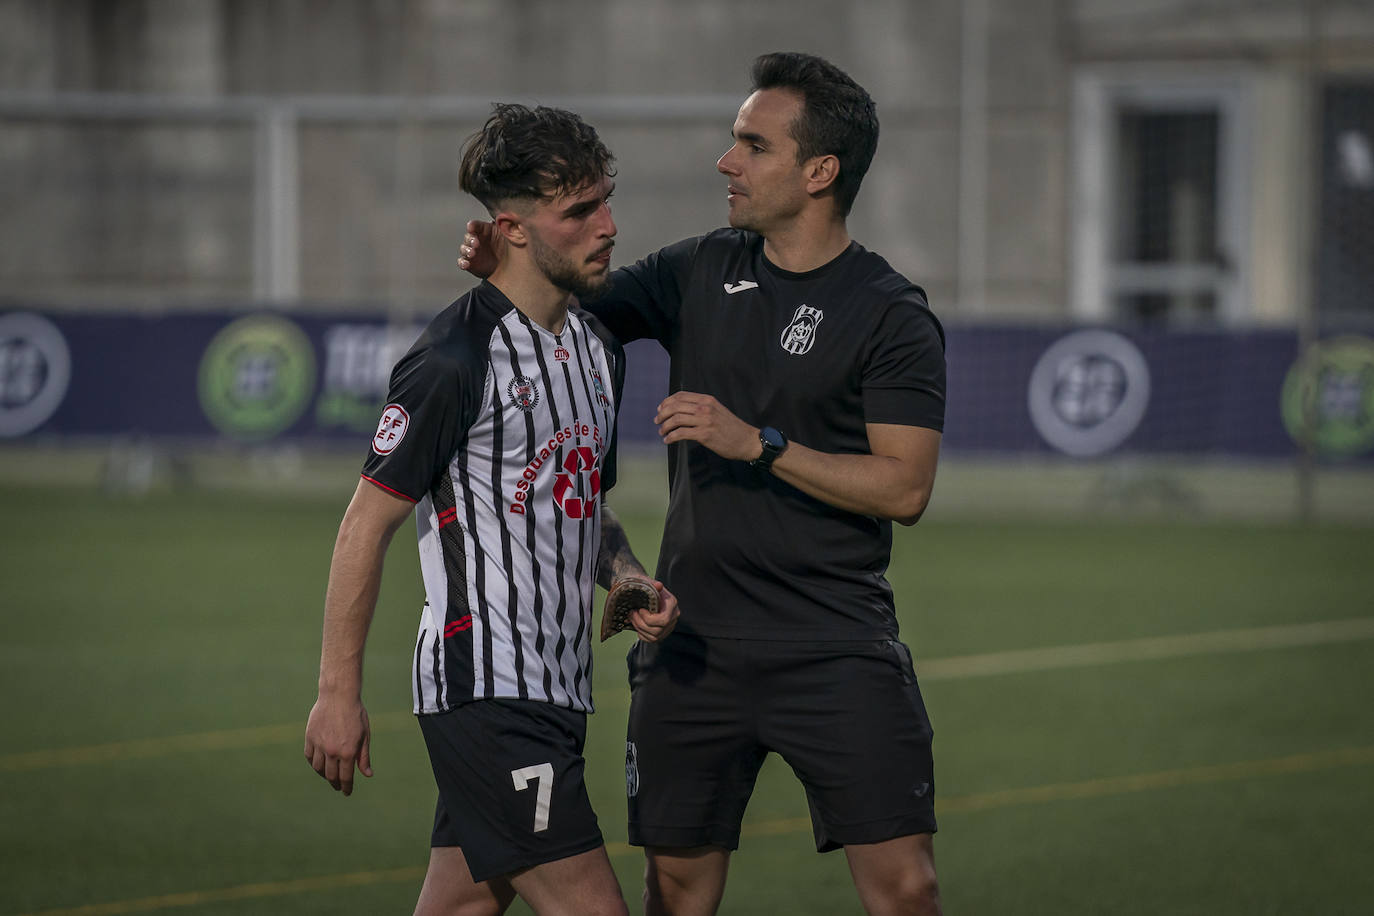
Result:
x=543 y=773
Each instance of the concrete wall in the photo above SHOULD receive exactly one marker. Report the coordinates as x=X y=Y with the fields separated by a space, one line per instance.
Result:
x=103 y=211
x=155 y=212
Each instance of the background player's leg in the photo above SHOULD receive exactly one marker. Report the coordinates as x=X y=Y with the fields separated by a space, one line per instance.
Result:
x=580 y=885
x=684 y=881
x=450 y=891
x=896 y=876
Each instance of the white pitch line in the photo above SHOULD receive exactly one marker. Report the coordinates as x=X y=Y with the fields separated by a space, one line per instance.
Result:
x=232 y=739
x=1145 y=649
x=984 y=801
x=932 y=669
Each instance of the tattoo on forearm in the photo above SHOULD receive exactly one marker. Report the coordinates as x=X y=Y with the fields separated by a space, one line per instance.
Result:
x=616 y=558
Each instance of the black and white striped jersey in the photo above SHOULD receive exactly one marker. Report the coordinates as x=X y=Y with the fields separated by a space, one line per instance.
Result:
x=503 y=434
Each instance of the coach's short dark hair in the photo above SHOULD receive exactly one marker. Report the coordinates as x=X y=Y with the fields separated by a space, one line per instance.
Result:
x=838 y=116
x=531 y=154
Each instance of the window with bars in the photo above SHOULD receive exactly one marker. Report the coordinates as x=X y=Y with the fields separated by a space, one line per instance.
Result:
x=1345 y=246
x=1161 y=236
x=1166 y=251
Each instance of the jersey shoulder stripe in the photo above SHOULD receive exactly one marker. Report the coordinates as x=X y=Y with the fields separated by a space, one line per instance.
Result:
x=440 y=388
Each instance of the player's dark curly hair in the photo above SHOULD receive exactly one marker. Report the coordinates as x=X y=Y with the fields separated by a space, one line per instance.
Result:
x=838 y=116
x=531 y=154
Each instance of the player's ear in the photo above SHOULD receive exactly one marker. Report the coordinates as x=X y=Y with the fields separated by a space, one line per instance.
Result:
x=821 y=172
x=510 y=226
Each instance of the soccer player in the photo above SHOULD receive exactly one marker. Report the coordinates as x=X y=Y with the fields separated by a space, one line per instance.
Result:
x=805 y=412
x=500 y=433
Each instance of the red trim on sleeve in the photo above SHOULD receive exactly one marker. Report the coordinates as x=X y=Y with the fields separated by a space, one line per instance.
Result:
x=389 y=490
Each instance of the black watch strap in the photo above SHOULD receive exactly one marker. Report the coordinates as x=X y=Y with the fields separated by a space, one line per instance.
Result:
x=774 y=444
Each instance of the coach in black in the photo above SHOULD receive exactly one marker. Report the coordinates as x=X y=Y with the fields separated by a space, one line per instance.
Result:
x=808 y=383
x=500 y=433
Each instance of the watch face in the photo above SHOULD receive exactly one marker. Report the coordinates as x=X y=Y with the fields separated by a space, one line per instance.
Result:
x=771 y=438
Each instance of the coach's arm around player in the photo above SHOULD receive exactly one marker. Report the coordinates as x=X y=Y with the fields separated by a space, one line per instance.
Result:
x=894 y=481
x=338 y=735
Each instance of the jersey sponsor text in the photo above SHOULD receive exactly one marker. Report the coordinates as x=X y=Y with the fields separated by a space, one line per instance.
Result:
x=580 y=459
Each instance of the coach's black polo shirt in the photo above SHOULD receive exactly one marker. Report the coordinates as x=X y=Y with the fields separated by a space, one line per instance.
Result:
x=816 y=355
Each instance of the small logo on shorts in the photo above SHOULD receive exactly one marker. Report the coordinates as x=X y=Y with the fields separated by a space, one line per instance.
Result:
x=921 y=789
x=631 y=770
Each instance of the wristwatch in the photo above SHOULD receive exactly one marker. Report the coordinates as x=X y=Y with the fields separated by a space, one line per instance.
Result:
x=774 y=444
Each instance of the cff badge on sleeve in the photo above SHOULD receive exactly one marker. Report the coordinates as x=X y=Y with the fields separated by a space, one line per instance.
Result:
x=391 y=429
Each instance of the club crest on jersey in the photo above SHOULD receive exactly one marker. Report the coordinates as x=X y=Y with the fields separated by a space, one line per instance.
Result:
x=391 y=429
x=561 y=353
x=523 y=392
x=798 y=336
x=600 y=388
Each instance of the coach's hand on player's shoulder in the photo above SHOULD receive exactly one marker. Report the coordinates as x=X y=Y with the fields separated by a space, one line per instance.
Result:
x=481 y=249
x=687 y=415
x=653 y=627
x=337 y=736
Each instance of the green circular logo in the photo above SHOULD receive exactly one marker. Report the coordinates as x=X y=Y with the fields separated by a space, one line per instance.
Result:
x=1328 y=397
x=257 y=376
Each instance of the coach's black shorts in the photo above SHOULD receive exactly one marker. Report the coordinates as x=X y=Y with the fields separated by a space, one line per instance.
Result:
x=511 y=790
x=846 y=716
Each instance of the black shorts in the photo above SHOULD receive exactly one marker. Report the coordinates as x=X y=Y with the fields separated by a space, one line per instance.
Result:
x=846 y=716
x=511 y=790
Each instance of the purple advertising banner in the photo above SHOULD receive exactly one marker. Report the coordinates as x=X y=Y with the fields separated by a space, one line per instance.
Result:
x=1092 y=391
x=1079 y=391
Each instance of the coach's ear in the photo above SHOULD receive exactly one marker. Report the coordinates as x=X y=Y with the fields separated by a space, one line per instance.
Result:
x=821 y=172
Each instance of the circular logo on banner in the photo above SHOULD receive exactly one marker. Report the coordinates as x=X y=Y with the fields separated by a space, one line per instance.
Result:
x=1328 y=397
x=257 y=376
x=35 y=368
x=1089 y=392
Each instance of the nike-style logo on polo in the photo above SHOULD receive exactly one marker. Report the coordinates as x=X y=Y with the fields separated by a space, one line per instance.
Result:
x=741 y=286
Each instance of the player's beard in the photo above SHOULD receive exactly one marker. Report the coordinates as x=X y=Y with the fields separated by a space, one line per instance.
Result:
x=563 y=273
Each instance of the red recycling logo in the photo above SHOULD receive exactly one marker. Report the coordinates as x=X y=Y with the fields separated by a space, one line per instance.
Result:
x=581 y=461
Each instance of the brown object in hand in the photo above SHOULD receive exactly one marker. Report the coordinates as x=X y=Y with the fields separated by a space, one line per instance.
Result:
x=627 y=595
